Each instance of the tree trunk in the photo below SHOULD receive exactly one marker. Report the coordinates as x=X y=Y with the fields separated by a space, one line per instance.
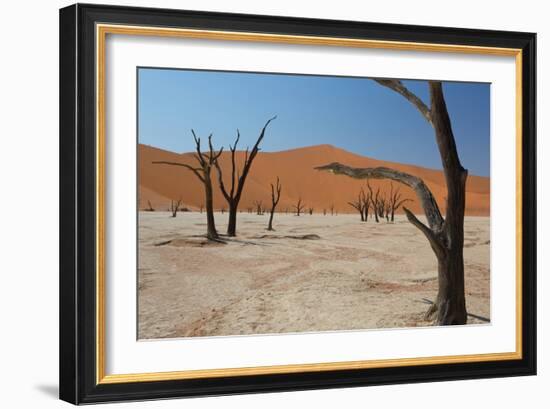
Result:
x=450 y=304
x=270 y=224
x=211 y=232
x=232 y=224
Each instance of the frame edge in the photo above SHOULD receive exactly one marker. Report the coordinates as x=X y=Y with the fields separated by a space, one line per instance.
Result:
x=68 y=379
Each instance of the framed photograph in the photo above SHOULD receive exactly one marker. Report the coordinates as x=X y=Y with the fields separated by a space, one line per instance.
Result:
x=257 y=203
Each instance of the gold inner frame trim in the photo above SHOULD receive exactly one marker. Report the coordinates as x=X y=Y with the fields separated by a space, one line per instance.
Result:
x=101 y=33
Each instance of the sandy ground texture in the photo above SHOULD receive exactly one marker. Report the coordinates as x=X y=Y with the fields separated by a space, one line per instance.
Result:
x=314 y=273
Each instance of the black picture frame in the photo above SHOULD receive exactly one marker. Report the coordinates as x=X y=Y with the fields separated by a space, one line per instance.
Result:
x=78 y=360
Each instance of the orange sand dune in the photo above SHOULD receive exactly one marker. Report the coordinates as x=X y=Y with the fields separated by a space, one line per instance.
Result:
x=295 y=168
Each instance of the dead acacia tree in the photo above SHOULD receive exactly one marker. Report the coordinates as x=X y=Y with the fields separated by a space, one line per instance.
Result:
x=359 y=204
x=310 y=211
x=299 y=206
x=233 y=196
x=374 y=201
x=258 y=205
x=367 y=197
x=395 y=201
x=386 y=208
x=275 y=197
x=174 y=207
x=150 y=207
x=201 y=208
x=206 y=160
x=382 y=205
x=332 y=209
x=445 y=235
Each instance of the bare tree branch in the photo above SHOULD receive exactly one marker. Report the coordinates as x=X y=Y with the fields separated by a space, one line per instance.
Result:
x=435 y=243
x=299 y=206
x=233 y=195
x=398 y=87
x=191 y=168
x=203 y=174
x=431 y=209
x=275 y=197
x=250 y=159
x=199 y=156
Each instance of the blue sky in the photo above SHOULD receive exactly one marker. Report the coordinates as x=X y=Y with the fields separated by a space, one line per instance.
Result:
x=355 y=114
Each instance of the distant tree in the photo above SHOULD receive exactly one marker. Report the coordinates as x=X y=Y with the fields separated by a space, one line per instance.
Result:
x=201 y=208
x=381 y=205
x=387 y=211
x=324 y=212
x=299 y=206
x=202 y=172
x=258 y=205
x=366 y=205
x=359 y=204
x=174 y=207
x=233 y=196
x=310 y=210
x=332 y=209
x=395 y=201
x=149 y=207
x=275 y=197
x=374 y=201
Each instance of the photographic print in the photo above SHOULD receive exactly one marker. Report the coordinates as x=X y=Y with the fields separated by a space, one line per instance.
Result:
x=263 y=203
x=280 y=203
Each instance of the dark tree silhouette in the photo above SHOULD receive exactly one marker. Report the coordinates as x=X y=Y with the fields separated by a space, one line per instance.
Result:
x=395 y=201
x=332 y=209
x=445 y=235
x=174 y=207
x=258 y=205
x=310 y=211
x=201 y=208
x=150 y=207
x=359 y=204
x=382 y=205
x=367 y=197
x=374 y=201
x=299 y=206
x=275 y=197
x=202 y=172
x=233 y=196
